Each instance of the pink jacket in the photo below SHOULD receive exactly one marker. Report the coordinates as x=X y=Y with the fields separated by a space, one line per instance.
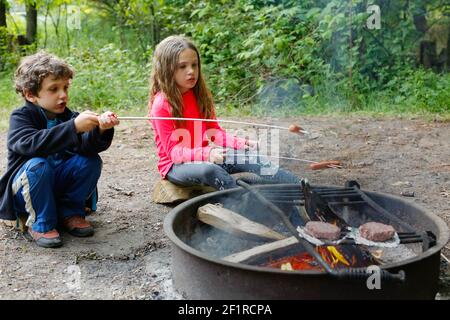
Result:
x=189 y=143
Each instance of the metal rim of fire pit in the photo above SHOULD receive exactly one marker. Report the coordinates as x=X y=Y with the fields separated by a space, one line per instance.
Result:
x=169 y=230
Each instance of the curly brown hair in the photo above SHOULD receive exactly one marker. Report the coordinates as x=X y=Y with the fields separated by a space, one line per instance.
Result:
x=33 y=69
x=162 y=79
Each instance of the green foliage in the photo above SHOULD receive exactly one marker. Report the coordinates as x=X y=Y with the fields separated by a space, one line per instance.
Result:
x=419 y=90
x=4 y=49
x=260 y=57
x=108 y=79
x=8 y=97
x=303 y=57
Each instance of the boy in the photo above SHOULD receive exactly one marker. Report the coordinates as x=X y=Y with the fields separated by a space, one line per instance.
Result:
x=53 y=161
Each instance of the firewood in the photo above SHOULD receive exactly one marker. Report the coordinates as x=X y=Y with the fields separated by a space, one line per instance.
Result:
x=18 y=224
x=255 y=251
x=167 y=192
x=234 y=223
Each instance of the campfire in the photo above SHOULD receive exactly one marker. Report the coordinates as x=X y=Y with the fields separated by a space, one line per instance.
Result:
x=333 y=255
x=235 y=235
x=322 y=257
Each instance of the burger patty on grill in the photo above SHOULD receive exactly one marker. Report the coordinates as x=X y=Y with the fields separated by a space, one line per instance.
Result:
x=323 y=230
x=375 y=231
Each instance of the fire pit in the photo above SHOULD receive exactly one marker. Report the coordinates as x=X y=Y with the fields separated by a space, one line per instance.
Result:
x=206 y=263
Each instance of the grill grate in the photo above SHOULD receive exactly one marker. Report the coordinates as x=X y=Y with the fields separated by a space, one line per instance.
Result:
x=346 y=206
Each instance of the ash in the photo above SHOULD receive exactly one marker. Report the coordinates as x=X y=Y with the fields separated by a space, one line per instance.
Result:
x=218 y=243
x=393 y=255
x=159 y=269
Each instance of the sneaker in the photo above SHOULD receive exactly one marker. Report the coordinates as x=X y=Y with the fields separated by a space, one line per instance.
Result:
x=49 y=239
x=88 y=211
x=78 y=226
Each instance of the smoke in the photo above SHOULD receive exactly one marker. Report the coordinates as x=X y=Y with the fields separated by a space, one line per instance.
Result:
x=282 y=94
x=218 y=244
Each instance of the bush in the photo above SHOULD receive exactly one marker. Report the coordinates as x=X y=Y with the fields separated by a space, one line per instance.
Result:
x=418 y=91
x=260 y=57
x=108 y=78
x=8 y=56
x=8 y=97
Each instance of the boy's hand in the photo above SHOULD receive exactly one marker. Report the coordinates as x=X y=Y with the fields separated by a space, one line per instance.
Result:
x=107 y=120
x=86 y=121
x=217 y=155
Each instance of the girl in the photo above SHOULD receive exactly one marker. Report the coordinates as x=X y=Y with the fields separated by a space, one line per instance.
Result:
x=185 y=158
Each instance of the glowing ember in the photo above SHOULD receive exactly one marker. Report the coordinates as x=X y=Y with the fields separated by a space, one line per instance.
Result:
x=302 y=261
x=331 y=254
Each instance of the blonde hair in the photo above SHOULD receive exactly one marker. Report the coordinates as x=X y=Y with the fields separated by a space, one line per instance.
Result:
x=165 y=63
x=35 y=68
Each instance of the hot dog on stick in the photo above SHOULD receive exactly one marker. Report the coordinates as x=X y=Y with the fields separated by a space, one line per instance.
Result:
x=292 y=128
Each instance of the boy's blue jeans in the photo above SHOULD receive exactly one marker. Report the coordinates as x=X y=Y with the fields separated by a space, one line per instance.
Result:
x=47 y=194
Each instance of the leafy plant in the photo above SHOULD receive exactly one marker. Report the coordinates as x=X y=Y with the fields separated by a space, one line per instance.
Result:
x=260 y=57
x=107 y=78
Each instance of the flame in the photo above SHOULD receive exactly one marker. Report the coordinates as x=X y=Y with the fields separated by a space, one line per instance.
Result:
x=286 y=266
x=333 y=256
x=304 y=261
x=337 y=256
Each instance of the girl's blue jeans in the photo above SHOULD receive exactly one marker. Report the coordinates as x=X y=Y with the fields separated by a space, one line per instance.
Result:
x=218 y=175
x=48 y=194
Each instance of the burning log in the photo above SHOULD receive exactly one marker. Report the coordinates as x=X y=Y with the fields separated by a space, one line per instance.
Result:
x=349 y=273
x=258 y=250
x=304 y=261
x=234 y=223
x=335 y=256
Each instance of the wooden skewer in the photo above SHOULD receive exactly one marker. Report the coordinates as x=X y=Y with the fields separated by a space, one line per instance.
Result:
x=295 y=159
x=445 y=258
x=292 y=128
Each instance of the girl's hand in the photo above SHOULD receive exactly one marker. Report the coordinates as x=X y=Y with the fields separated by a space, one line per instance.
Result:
x=217 y=155
x=251 y=145
x=107 y=120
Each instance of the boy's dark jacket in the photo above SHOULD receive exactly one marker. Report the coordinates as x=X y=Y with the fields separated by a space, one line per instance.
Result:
x=28 y=137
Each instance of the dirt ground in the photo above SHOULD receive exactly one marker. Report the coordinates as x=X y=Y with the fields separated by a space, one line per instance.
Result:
x=129 y=255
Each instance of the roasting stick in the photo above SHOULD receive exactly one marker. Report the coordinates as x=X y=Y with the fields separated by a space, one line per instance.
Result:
x=445 y=258
x=334 y=166
x=292 y=128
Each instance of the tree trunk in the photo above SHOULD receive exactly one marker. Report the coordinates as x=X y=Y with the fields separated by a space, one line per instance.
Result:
x=155 y=28
x=428 y=54
x=420 y=17
x=448 y=53
x=67 y=30
x=47 y=9
x=420 y=22
x=31 y=23
x=2 y=13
